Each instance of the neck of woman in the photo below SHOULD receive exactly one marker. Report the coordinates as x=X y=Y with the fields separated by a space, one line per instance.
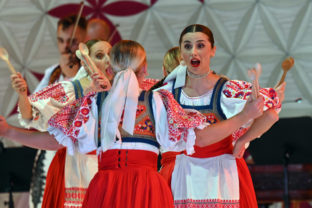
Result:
x=197 y=76
x=199 y=86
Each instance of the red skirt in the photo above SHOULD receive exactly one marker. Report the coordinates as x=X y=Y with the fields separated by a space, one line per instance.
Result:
x=247 y=195
x=128 y=178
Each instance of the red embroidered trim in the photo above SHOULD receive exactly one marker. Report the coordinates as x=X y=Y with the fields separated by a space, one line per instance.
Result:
x=238 y=133
x=270 y=98
x=237 y=89
x=206 y=203
x=179 y=120
x=242 y=90
x=148 y=83
x=72 y=116
x=55 y=91
x=74 y=197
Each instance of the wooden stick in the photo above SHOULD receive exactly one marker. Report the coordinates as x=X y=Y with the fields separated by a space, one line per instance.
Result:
x=76 y=23
x=287 y=64
x=282 y=79
x=11 y=66
x=254 y=75
x=113 y=33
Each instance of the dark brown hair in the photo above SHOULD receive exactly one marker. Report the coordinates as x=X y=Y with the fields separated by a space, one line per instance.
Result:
x=90 y=43
x=68 y=21
x=198 y=28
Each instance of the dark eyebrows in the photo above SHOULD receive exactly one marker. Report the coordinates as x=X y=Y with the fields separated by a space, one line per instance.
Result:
x=200 y=41
x=187 y=41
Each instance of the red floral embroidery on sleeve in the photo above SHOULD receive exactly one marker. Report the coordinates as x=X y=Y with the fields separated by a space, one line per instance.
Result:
x=72 y=117
x=242 y=90
x=55 y=92
x=237 y=89
x=179 y=121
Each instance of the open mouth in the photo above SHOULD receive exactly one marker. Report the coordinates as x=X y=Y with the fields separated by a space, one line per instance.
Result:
x=195 y=62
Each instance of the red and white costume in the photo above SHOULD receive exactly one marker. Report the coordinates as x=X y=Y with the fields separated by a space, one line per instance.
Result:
x=68 y=175
x=212 y=176
x=121 y=127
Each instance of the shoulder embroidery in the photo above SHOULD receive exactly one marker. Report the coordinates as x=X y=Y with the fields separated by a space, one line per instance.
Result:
x=179 y=121
x=237 y=89
x=242 y=90
x=72 y=117
x=55 y=91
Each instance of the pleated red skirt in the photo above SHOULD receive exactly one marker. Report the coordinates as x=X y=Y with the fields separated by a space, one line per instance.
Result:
x=128 y=178
x=246 y=188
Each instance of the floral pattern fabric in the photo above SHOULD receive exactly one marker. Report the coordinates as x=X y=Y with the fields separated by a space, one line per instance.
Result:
x=242 y=90
x=179 y=120
x=70 y=119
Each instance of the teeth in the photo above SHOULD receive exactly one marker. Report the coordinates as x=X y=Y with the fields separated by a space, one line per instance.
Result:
x=195 y=62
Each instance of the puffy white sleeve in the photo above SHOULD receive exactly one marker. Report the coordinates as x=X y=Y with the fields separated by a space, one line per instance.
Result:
x=234 y=95
x=76 y=125
x=49 y=100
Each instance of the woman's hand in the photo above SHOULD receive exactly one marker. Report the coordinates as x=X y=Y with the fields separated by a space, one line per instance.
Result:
x=4 y=126
x=253 y=108
x=101 y=83
x=19 y=84
x=239 y=149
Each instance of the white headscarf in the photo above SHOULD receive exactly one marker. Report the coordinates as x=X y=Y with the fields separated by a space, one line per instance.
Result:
x=122 y=97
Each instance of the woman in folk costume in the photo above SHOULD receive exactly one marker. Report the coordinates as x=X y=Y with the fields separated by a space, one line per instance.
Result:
x=212 y=176
x=127 y=126
x=68 y=176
